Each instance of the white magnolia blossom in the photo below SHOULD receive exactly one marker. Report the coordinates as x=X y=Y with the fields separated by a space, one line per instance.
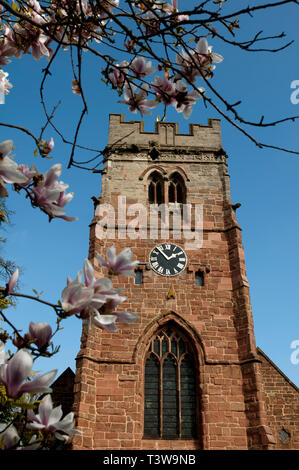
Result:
x=12 y=281
x=120 y=264
x=48 y=420
x=9 y=437
x=9 y=172
x=5 y=84
x=3 y=354
x=15 y=372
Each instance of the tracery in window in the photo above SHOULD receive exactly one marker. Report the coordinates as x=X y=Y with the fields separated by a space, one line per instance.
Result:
x=176 y=189
x=170 y=387
x=156 y=188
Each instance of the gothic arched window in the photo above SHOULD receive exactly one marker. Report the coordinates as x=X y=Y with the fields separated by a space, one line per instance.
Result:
x=176 y=189
x=170 y=387
x=156 y=188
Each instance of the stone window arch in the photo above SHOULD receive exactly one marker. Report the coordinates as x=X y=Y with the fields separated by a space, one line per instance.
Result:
x=176 y=188
x=170 y=410
x=156 y=188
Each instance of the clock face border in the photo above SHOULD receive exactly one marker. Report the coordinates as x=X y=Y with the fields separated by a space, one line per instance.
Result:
x=162 y=274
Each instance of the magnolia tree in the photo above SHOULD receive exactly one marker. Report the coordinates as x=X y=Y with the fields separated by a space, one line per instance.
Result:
x=152 y=53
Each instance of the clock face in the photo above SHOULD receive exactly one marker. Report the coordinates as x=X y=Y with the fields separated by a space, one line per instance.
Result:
x=168 y=259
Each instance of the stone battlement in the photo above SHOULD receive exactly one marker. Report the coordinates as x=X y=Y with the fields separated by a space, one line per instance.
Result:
x=166 y=134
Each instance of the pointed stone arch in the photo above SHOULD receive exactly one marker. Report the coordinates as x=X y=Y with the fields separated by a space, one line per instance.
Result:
x=171 y=357
x=181 y=324
x=152 y=168
x=178 y=169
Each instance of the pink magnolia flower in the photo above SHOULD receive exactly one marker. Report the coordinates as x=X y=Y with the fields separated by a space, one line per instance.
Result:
x=164 y=89
x=9 y=172
x=118 y=264
x=39 y=46
x=75 y=297
x=5 y=52
x=198 y=62
x=96 y=299
x=204 y=53
x=29 y=173
x=102 y=286
x=49 y=194
x=9 y=46
x=9 y=437
x=172 y=9
x=48 y=420
x=12 y=281
x=105 y=322
x=16 y=370
x=138 y=101
x=185 y=100
x=88 y=297
x=107 y=316
x=141 y=68
x=117 y=77
x=40 y=333
x=24 y=37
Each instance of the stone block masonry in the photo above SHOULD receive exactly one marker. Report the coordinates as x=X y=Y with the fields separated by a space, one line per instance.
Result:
x=233 y=407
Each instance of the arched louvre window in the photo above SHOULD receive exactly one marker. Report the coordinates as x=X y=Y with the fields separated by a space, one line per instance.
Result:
x=156 y=188
x=176 y=189
x=170 y=387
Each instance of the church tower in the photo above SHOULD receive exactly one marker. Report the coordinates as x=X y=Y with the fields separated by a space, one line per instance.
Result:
x=186 y=374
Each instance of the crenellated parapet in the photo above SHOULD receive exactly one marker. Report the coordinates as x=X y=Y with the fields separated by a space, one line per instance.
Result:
x=166 y=134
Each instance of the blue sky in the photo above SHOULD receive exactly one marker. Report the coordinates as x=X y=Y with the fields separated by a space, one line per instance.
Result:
x=264 y=181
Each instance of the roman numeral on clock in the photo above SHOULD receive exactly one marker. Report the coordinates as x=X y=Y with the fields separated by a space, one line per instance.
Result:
x=167 y=259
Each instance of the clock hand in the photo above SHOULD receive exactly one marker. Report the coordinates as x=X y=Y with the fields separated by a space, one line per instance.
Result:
x=162 y=252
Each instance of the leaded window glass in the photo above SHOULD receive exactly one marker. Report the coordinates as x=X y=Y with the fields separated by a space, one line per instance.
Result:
x=170 y=387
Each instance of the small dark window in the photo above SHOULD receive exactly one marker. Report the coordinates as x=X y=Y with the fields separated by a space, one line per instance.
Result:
x=283 y=435
x=138 y=276
x=199 y=278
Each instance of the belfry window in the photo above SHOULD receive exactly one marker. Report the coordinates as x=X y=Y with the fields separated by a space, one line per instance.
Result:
x=138 y=277
x=176 y=189
x=156 y=188
x=169 y=388
x=199 y=278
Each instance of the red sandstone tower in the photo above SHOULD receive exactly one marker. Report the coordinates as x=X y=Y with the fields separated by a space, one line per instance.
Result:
x=187 y=374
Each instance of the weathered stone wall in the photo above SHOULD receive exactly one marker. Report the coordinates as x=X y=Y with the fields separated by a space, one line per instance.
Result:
x=282 y=404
